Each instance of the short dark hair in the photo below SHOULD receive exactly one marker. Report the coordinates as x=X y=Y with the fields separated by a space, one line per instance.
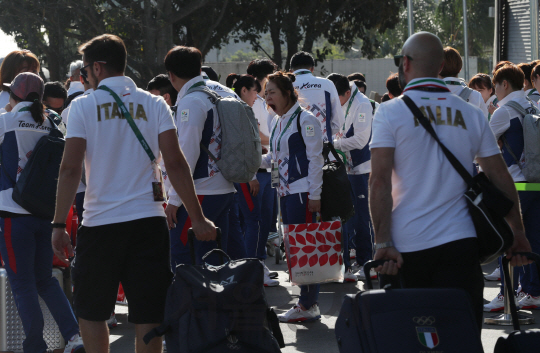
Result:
x=452 y=63
x=108 y=48
x=357 y=76
x=385 y=97
x=527 y=69
x=535 y=72
x=341 y=82
x=284 y=82
x=480 y=81
x=511 y=74
x=499 y=65
x=237 y=82
x=261 y=68
x=361 y=84
x=302 y=60
x=163 y=85
x=211 y=73
x=54 y=90
x=392 y=85
x=13 y=63
x=184 y=62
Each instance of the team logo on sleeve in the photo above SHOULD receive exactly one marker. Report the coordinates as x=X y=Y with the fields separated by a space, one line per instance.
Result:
x=310 y=130
x=362 y=117
x=184 y=115
x=427 y=336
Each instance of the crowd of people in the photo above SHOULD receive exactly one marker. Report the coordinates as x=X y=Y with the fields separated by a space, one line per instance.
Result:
x=122 y=141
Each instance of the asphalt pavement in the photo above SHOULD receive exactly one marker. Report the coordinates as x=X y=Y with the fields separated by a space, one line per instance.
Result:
x=318 y=336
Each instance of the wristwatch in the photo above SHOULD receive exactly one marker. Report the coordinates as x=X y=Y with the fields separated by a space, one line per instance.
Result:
x=58 y=225
x=386 y=244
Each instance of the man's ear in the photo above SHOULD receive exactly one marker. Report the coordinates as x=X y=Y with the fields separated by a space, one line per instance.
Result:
x=167 y=98
x=312 y=69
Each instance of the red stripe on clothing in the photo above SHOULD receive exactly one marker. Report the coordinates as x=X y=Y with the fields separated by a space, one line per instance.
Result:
x=187 y=225
x=247 y=196
x=9 y=246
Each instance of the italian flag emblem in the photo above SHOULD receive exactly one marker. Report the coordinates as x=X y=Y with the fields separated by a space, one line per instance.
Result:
x=428 y=336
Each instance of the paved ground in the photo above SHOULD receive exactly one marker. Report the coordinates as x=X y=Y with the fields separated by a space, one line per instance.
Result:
x=318 y=336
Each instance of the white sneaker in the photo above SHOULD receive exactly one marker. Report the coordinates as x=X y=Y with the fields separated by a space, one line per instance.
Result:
x=529 y=302
x=164 y=346
x=269 y=282
x=362 y=276
x=75 y=344
x=494 y=276
x=352 y=254
x=350 y=276
x=497 y=304
x=296 y=314
x=112 y=322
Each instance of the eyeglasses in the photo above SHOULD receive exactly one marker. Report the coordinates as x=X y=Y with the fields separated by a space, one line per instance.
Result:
x=397 y=58
x=84 y=73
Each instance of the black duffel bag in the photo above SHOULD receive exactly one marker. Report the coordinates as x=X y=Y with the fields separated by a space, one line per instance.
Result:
x=487 y=205
x=219 y=309
x=336 y=199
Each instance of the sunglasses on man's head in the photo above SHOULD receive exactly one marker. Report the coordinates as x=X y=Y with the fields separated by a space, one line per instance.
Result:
x=397 y=59
x=84 y=73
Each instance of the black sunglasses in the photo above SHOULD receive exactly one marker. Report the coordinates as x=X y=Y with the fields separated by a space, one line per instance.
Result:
x=84 y=73
x=397 y=59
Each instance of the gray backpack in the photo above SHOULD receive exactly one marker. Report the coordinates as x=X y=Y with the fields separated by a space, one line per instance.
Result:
x=241 y=152
x=465 y=93
x=531 y=136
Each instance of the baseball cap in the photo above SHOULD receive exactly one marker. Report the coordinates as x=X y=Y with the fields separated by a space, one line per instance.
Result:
x=25 y=83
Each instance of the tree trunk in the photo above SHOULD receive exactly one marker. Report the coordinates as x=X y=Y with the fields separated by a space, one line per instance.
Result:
x=292 y=34
x=275 y=33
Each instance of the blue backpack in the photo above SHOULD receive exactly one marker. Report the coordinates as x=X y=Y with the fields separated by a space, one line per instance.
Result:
x=35 y=190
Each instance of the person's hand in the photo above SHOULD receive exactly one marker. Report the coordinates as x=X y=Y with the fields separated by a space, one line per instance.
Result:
x=491 y=108
x=204 y=230
x=392 y=266
x=521 y=244
x=254 y=187
x=170 y=212
x=8 y=107
x=61 y=241
x=314 y=206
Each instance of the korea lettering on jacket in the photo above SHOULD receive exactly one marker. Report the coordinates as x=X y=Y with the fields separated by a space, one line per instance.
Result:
x=300 y=166
x=319 y=96
x=19 y=134
x=508 y=122
x=217 y=87
x=198 y=123
x=354 y=137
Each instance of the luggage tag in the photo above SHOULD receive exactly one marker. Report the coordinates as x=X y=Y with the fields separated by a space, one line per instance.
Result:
x=158 y=188
x=275 y=174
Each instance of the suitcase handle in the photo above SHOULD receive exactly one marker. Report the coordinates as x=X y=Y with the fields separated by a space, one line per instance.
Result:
x=510 y=291
x=376 y=263
x=191 y=241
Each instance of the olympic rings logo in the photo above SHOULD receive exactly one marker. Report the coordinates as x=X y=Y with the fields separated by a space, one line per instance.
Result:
x=424 y=320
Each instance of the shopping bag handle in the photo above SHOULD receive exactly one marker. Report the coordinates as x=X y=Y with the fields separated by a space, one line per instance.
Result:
x=191 y=240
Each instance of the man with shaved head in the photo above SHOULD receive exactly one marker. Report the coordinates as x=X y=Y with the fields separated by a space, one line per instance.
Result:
x=420 y=217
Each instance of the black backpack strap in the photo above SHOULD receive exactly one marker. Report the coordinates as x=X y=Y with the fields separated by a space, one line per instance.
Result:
x=427 y=125
x=273 y=322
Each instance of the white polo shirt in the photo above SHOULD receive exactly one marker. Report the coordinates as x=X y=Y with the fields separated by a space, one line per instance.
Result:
x=429 y=208
x=455 y=85
x=119 y=173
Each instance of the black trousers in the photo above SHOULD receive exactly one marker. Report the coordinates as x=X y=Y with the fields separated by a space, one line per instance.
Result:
x=451 y=265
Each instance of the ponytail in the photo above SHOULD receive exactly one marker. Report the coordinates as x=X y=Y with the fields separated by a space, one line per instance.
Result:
x=231 y=79
x=36 y=108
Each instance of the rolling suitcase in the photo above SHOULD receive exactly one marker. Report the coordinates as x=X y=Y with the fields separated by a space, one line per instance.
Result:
x=11 y=329
x=406 y=320
x=519 y=341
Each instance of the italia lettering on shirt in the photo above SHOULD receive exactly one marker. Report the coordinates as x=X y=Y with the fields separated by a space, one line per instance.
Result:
x=111 y=111
x=456 y=120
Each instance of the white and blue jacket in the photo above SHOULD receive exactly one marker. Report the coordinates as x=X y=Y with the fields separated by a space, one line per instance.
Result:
x=508 y=122
x=299 y=157
x=197 y=121
x=354 y=137
x=319 y=96
x=19 y=134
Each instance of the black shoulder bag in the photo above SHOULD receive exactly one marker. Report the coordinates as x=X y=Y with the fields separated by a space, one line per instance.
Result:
x=487 y=205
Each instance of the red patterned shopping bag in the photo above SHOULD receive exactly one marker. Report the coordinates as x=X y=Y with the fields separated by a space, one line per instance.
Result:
x=314 y=252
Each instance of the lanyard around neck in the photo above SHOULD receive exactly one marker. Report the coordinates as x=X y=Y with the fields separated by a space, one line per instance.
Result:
x=200 y=83
x=350 y=103
x=296 y=112
x=531 y=92
x=304 y=72
x=131 y=123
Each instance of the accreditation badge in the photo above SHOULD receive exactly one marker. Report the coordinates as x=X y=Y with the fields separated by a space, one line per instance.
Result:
x=275 y=174
x=158 y=185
